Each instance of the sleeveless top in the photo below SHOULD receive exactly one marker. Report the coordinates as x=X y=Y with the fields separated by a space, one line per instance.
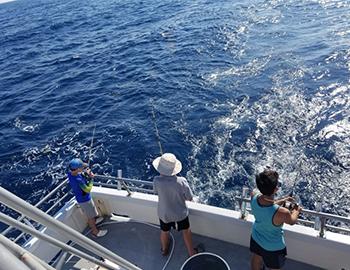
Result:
x=264 y=232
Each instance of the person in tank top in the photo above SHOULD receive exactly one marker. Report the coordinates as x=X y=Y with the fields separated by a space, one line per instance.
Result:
x=267 y=241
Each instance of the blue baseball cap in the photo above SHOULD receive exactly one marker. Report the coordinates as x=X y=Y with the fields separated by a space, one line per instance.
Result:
x=76 y=163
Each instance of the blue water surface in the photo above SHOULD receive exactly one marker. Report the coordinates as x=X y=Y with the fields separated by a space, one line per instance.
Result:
x=235 y=86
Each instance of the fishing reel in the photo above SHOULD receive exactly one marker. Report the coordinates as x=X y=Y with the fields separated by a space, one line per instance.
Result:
x=86 y=175
x=290 y=205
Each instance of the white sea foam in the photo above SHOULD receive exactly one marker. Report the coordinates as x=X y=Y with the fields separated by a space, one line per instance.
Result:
x=24 y=126
x=5 y=1
x=252 y=68
x=282 y=129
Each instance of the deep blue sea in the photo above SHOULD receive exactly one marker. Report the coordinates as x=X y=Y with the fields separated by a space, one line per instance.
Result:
x=235 y=86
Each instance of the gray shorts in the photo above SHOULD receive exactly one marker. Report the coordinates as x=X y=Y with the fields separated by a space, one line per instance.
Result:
x=89 y=209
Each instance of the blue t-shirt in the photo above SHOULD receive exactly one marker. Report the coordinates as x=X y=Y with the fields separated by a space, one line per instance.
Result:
x=265 y=233
x=80 y=195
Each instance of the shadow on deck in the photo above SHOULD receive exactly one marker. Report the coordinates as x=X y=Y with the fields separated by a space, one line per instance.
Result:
x=139 y=243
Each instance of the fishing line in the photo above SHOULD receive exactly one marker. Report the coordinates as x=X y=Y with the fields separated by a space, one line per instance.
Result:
x=155 y=127
x=91 y=144
x=154 y=119
x=291 y=193
x=295 y=196
x=90 y=150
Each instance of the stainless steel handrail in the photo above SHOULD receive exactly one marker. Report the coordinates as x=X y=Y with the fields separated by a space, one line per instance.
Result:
x=311 y=212
x=15 y=223
x=143 y=190
x=323 y=216
x=30 y=261
x=36 y=214
x=57 y=202
x=129 y=180
x=143 y=186
x=38 y=203
x=63 y=183
x=47 y=211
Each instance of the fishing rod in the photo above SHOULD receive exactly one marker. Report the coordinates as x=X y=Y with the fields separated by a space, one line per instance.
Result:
x=90 y=150
x=87 y=166
x=155 y=127
x=154 y=119
x=91 y=144
x=291 y=193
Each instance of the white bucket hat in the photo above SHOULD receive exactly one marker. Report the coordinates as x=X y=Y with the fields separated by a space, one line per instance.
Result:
x=167 y=164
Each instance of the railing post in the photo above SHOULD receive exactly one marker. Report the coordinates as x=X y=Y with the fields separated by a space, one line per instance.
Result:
x=243 y=203
x=61 y=260
x=320 y=222
x=322 y=227
x=119 y=183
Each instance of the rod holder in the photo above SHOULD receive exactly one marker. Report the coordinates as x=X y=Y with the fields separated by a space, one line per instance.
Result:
x=243 y=204
x=119 y=176
x=322 y=227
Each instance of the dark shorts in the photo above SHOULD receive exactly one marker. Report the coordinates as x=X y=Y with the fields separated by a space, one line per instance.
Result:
x=272 y=259
x=179 y=225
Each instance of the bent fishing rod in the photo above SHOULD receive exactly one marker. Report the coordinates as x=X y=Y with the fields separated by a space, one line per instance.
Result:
x=91 y=144
x=90 y=151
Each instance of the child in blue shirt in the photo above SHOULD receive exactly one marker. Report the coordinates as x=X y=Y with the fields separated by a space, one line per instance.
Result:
x=81 y=186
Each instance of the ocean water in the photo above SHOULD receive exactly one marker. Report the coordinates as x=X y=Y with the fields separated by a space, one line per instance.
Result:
x=235 y=86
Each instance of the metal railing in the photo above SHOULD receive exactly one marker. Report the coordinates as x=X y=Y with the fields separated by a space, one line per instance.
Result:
x=120 y=182
x=19 y=205
x=134 y=185
x=17 y=258
x=38 y=204
x=24 y=225
x=243 y=202
x=316 y=214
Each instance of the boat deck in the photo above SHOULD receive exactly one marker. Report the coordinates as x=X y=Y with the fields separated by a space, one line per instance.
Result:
x=139 y=243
